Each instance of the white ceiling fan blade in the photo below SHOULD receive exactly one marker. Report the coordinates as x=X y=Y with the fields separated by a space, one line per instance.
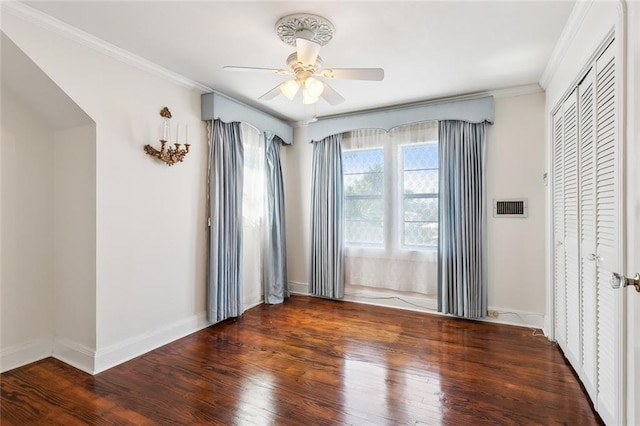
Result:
x=257 y=69
x=307 y=51
x=331 y=96
x=271 y=94
x=372 y=74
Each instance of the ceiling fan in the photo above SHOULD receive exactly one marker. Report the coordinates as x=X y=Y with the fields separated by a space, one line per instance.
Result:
x=308 y=33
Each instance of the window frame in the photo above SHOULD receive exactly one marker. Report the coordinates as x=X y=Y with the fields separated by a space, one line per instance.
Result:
x=393 y=218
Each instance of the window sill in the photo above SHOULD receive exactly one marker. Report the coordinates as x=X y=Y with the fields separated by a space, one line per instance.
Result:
x=430 y=253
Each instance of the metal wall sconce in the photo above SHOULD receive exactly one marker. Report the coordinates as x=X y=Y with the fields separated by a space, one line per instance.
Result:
x=169 y=155
x=619 y=281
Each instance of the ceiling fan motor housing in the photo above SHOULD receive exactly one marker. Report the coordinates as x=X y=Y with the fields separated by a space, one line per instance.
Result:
x=302 y=70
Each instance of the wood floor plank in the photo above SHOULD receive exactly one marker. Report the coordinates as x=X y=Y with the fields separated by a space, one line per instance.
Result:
x=315 y=361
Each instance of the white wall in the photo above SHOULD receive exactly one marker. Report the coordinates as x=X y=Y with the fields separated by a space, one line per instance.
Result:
x=296 y=175
x=27 y=319
x=52 y=209
x=151 y=224
x=74 y=248
x=515 y=161
x=515 y=168
x=150 y=218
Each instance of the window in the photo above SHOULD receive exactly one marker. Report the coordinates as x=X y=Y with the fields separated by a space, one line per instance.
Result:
x=391 y=189
x=363 y=172
x=391 y=208
x=419 y=195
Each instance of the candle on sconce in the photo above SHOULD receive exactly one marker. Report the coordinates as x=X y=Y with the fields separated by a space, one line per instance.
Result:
x=169 y=155
x=187 y=135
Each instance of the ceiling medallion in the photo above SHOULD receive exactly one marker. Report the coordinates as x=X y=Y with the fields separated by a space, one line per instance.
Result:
x=303 y=25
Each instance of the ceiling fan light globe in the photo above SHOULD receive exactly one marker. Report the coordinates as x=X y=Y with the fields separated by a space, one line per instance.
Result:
x=313 y=87
x=307 y=99
x=289 y=88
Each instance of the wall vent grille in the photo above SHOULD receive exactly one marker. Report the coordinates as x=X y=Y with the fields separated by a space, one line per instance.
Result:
x=510 y=208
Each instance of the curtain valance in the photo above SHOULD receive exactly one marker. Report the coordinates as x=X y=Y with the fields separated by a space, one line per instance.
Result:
x=218 y=106
x=477 y=110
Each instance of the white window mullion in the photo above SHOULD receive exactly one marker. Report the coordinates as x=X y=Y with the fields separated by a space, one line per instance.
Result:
x=393 y=208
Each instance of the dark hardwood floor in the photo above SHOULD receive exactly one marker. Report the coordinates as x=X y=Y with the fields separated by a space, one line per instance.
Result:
x=316 y=362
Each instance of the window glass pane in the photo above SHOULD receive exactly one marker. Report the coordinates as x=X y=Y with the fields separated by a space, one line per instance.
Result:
x=421 y=182
x=421 y=210
x=418 y=157
x=420 y=234
x=420 y=169
x=420 y=195
x=364 y=204
x=364 y=183
x=363 y=161
x=364 y=233
x=364 y=208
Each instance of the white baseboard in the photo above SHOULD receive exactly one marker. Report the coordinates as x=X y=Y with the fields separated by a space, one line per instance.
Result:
x=425 y=304
x=74 y=354
x=248 y=303
x=130 y=348
x=25 y=353
x=94 y=362
x=547 y=326
x=520 y=318
x=390 y=300
x=298 y=288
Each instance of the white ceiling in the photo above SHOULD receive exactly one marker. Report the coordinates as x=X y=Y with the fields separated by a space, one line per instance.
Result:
x=428 y=49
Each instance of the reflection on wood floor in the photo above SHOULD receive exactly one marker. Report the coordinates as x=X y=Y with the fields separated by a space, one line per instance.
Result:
x=313 y=361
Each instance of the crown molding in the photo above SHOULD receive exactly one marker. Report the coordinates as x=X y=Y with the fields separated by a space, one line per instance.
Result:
x=34 y=16
x=569 y=31
x=510 y=92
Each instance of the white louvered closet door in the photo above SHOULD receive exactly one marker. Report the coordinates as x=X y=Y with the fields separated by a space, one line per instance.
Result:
x=588 y=371
x=571 y=229
x=608 y=206
x=560 y=312
x=586 y=230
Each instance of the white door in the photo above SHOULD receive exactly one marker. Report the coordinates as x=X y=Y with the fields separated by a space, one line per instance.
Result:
x=608 y=240
x=572 y=348
x=587 y=211
x=589 y=368
x=560 y=315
